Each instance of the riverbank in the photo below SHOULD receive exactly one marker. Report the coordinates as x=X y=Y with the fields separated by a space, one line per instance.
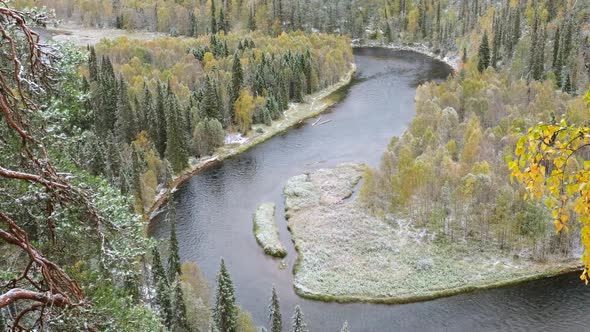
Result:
x=453 y=60
x=314 y=105
x=345 y=254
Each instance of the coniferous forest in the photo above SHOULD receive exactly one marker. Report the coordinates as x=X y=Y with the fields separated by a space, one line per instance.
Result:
x=96 y=139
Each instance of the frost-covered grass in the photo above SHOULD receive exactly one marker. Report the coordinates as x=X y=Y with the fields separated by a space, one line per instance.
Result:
x=267 y=232
x=346 y=254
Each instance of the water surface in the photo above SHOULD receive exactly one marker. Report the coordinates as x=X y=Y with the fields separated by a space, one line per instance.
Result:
x=215 y=208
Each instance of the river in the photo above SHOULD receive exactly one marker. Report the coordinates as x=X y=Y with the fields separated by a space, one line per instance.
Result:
x=215 y=208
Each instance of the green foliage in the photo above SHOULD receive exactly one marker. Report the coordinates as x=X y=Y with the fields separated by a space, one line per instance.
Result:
x=208 y=136
x=274 y=315
x=449 y=175
x=552 y=165
x=180 y=320
x=3 y=327
x=245 y=322
x=298 y=324
x=160 y=282
x=483 y=53
x=225 y=311
x=174 y=267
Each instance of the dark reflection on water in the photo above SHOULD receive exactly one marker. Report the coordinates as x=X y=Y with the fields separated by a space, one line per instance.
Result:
x=215 y=209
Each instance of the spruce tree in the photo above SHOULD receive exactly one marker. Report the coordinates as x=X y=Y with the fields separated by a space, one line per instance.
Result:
x=174 y=267
x=160 y=142
x=211 y=102
x=298 y=322
x=192 y=30
x=151 y=118
x=93 y=65
x=483 y=53
x=496 y=44
x=213 y=20
x=126 y=122
x=276 y=323
x=539 y=65
x=555 y=49
x=533 y=56
x=221 y=23
x=225 y=311
x=251 y=20
x=567 y=45
x=567 y=86
x=176 y=150
x=105 y=101
x=237 y=79
x=345 y=327
x=516 y=28
x=161 y=285
x=180 y=320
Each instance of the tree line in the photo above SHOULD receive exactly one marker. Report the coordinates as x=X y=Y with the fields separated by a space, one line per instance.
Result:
x=147 y=113
x=448 y=172
x=447 y=27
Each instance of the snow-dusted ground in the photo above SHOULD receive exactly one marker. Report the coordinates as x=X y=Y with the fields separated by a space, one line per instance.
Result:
x=267 y=232
x=347 y=254
x=235 y=138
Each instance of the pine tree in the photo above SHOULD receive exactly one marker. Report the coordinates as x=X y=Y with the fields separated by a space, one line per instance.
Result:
x=174 y=267
x=180 y=321
x=276 y=323
x=298 y=322
x=345 y=327
x=162 y=288
x=483 y=53
x=225 y=311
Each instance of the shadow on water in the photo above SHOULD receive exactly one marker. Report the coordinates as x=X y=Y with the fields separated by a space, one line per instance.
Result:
x=215 y=209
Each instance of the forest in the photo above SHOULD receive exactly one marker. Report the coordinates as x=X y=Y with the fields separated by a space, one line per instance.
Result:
x=89 y=137
x=200 y=89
